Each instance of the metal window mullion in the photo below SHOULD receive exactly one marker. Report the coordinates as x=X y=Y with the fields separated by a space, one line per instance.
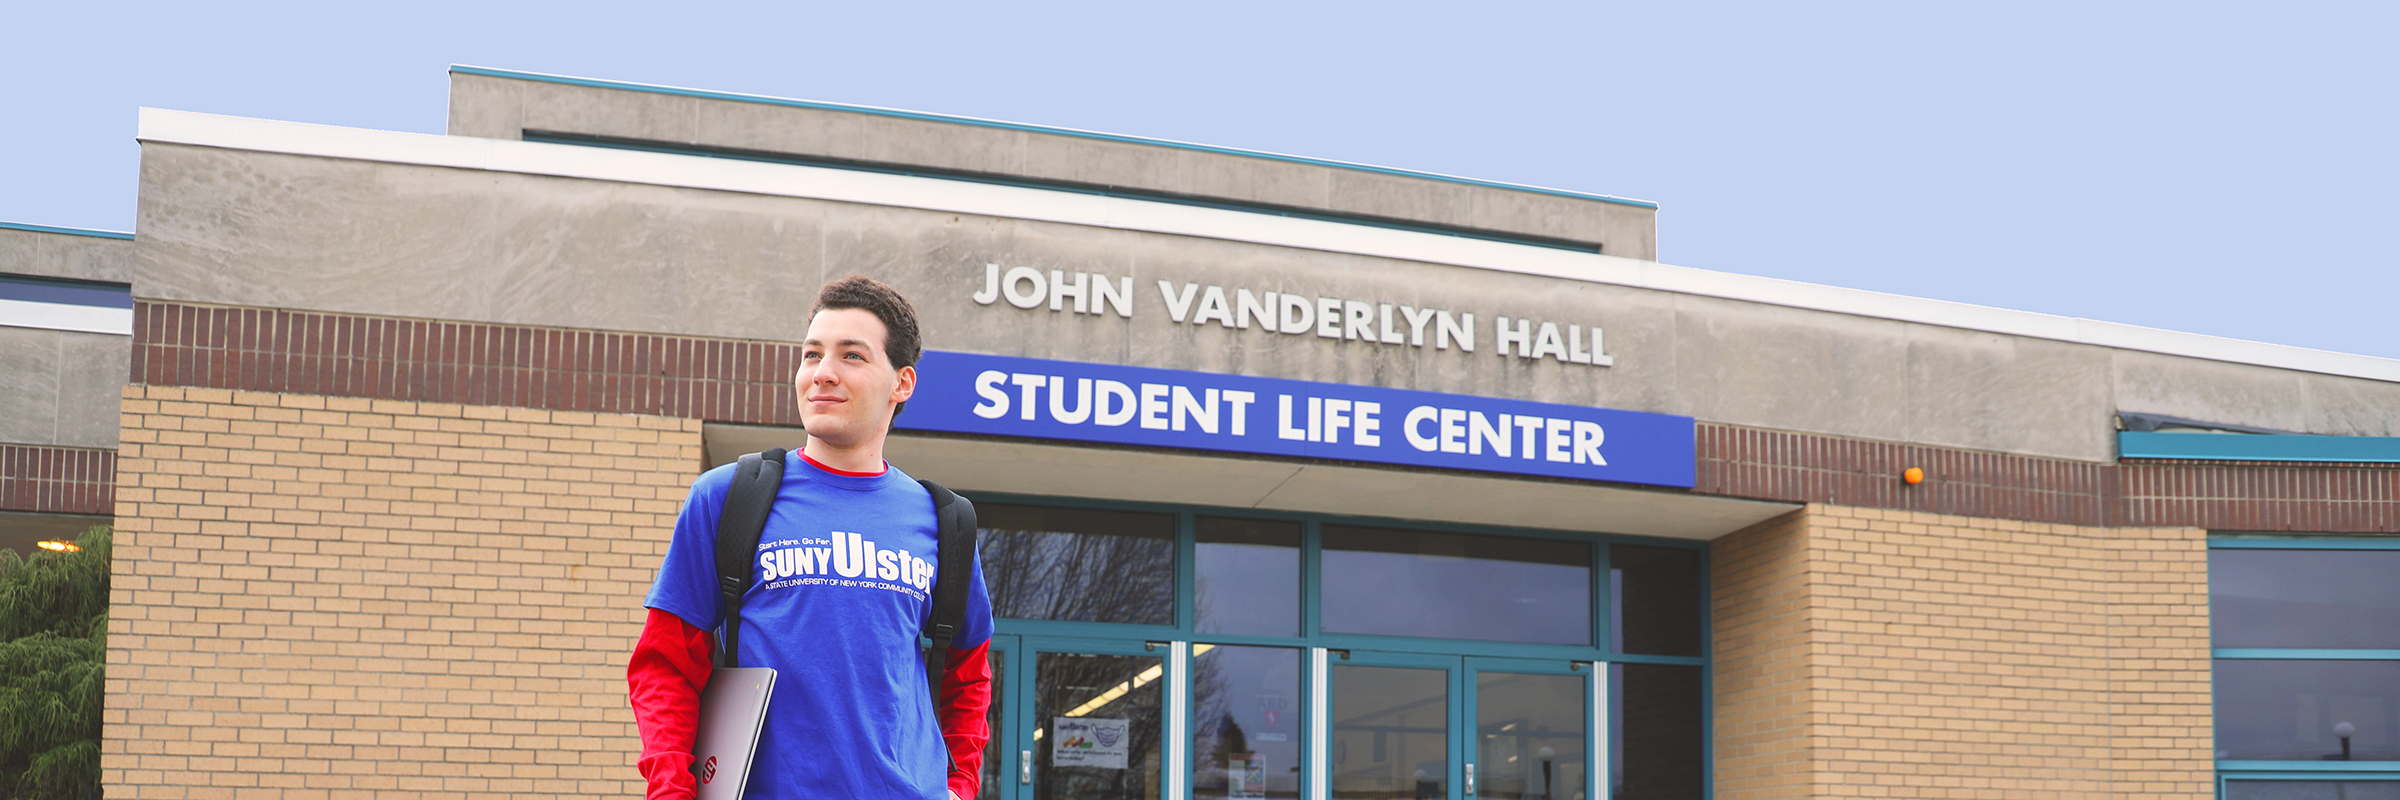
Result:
x=1597 y=775
x=1179 y=741
x=1466 y=737
x=1319 y=769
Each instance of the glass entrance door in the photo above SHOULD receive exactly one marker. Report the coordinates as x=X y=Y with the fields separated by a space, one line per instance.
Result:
x=1078 y=720
x=1388 y=724
x=1532 y=728
x=1414 y=727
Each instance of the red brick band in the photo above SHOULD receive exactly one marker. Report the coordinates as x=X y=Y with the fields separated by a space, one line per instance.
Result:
x=268 y=350
x=727 y=380
x=57 y=480
x=2249 y=496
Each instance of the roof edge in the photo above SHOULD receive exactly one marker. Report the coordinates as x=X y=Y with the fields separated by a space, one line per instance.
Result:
x=92 y=232
x=598 y=83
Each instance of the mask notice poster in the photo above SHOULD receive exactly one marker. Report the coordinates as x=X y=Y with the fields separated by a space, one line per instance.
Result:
x=1081 y=742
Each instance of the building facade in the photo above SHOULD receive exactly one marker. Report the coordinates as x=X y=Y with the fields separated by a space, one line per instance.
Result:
x=1299 y=478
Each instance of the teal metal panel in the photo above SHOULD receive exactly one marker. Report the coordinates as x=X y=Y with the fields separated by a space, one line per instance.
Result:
x=2297 y=654
x=2248 y=447
x=2325 y=770
x=2278 y=543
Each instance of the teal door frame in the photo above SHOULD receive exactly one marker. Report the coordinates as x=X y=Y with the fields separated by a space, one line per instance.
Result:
x=1018 y=713
x=1009 y=648
x=1321 y=649
x=1594 y=694
x=1460 y=673
x=1453 y=669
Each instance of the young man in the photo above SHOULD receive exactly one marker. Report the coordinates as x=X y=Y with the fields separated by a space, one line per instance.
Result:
x=851 y=716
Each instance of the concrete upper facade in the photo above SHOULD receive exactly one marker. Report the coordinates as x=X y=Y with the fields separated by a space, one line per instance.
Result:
x=283 y=215
x=489 y=103
x=63 y=253
x=60 y=387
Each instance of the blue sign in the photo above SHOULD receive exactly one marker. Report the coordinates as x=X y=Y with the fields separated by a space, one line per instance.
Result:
x=1075 y=401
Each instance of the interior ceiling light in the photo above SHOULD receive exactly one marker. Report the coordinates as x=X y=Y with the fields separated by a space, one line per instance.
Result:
x=58 y=546
x=1119 y=690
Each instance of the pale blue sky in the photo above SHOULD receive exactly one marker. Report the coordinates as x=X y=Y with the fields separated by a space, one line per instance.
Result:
x=2206 y=167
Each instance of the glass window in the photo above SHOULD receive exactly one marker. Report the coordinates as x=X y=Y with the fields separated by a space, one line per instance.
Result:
x=1654 y=600
x=1096 y=734
x=2334 y=599
x=1529 y=736
x=1079 y=564
x=1390 y=731
x=2281 y=698
x=1246 y=731
x=994 y=762
x=2275 y=710
x=1248 y=572
x=1456 y=586
x=1654 y=732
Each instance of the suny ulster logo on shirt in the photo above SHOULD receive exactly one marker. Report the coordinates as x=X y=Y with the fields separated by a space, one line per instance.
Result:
x=844 y=560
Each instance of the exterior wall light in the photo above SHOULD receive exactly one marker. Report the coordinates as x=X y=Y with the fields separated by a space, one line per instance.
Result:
x=1912 y=476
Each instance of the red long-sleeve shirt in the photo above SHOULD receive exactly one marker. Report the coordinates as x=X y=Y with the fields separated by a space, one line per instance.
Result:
x=671 y=665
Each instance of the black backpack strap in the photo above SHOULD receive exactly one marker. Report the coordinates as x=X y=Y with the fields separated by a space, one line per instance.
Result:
x=755 y=482
x=955 y=531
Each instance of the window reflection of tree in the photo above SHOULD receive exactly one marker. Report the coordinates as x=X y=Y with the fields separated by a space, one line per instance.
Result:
x=1065 y=683
x=1259 y=562
x=1079 y=564
x=1213 y=728
x=995 y=763
x=1232 y=683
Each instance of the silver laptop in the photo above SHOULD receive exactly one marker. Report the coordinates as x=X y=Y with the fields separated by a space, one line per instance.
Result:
x=732 y=711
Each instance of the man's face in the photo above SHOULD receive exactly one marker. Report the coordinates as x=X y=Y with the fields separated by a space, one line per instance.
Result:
x=846 y=384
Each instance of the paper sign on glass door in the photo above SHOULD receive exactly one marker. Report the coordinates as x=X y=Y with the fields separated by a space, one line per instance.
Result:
x=1085 y=742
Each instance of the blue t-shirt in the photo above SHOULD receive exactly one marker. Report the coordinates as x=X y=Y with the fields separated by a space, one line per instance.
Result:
x=841 y=588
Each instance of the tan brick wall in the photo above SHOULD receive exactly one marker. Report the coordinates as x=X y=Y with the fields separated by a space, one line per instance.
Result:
x=1871 y=653
x=320 y=597
x=2161 y=701
x=1762 y=658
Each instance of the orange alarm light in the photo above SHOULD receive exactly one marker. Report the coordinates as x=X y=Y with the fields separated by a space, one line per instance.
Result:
x=1912 y=476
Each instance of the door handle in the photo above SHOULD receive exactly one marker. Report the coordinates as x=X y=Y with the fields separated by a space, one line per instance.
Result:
x=1025 y=768
x=1470 y=777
